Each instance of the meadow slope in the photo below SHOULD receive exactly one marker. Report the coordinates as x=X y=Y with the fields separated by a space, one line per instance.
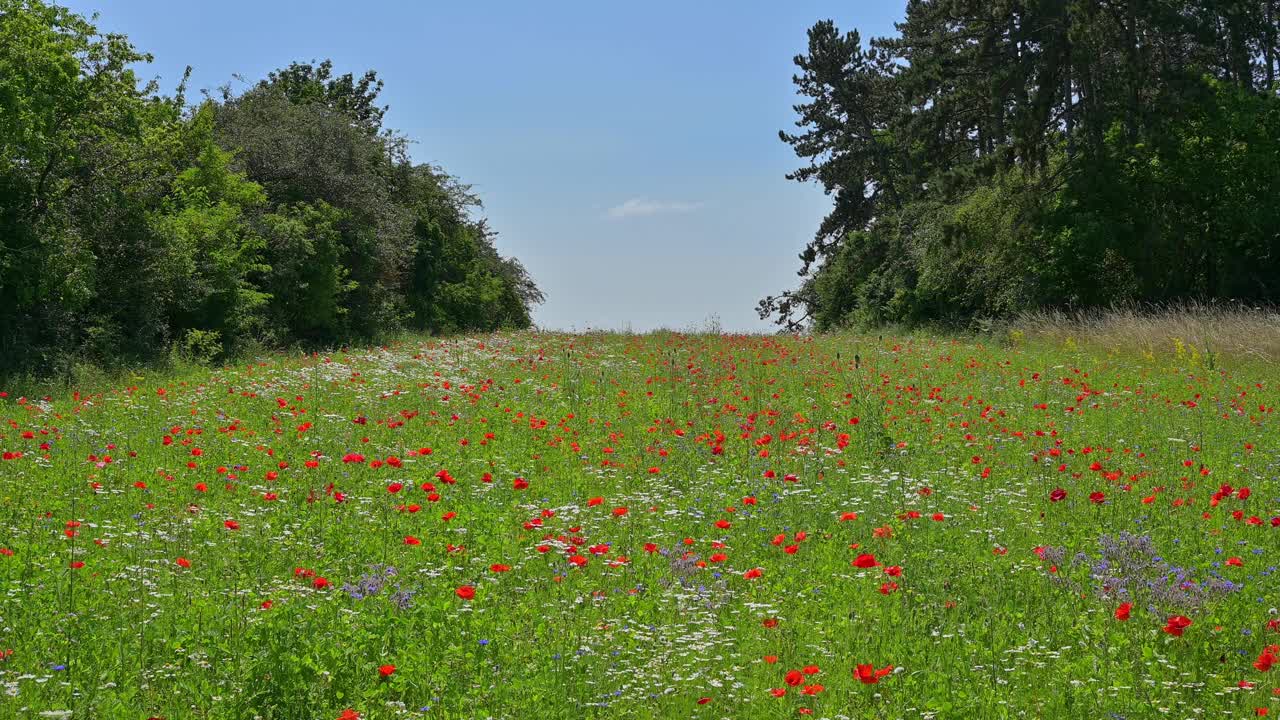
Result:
x=663 y=526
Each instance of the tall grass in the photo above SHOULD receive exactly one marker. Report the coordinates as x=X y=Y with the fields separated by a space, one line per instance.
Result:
x=1235 y=332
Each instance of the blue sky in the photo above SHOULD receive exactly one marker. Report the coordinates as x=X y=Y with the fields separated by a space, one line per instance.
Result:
x=627 y=153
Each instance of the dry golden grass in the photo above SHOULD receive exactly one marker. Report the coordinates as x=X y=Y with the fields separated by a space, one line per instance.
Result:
x=1207 y=333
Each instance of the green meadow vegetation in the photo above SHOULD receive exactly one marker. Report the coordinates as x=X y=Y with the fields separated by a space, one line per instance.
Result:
x=663 y=525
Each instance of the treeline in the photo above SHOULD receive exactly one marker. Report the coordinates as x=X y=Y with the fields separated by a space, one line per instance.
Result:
x=1004 y=155
x=135 y=224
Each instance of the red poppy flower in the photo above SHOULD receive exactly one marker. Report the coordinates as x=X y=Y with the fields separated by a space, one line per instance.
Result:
x=1057 y=495
x=386 y=670
x=411 y=540
x=794 y=678
x=466 y=592
x=1122 y=612
x=1267 y=658
x=231 y=525
x=865 y=560
x=1176 y=625
x=753 y=573
x=183 y=562
x=868 y=675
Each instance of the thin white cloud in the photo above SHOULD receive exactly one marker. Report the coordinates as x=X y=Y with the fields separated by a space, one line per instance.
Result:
x=642 y=207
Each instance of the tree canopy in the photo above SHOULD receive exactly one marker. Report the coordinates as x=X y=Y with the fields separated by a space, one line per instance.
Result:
x=1002 y=155
x=134 y=224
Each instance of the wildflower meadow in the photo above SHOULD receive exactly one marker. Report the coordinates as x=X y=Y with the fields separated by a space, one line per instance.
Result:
x=534 y=525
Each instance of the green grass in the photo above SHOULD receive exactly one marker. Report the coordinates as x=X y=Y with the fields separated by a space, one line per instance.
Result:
x=1003 y=607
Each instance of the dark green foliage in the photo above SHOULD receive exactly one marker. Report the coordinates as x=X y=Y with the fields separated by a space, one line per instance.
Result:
x=75 y=157
x=1003 y=156
x=132 y=225
x=308 y=281
x=458 y=279
x=356 y=100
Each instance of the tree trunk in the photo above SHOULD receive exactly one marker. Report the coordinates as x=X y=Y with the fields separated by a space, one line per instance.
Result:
x=1068 y=106
x=1269 y=44
x=1135 y=71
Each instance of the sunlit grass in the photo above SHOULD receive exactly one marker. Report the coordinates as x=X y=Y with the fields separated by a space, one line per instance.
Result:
x=558 y=526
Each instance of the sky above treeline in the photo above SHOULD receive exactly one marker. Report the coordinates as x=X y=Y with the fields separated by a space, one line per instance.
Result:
x=627 y=154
